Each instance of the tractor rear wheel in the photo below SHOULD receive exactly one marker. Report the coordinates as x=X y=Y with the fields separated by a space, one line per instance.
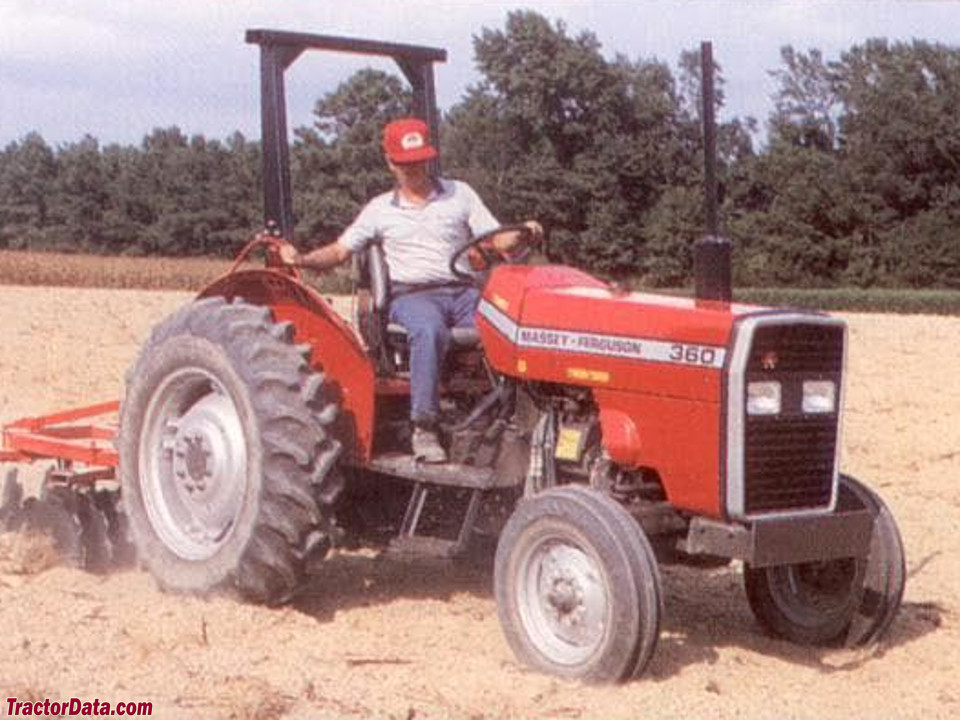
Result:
x=577 y=587
x=226 y=462
x=848 y=601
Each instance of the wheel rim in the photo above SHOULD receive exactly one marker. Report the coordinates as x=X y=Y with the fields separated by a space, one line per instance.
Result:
x=193 y=463
x=564 y=602
x=810 y=593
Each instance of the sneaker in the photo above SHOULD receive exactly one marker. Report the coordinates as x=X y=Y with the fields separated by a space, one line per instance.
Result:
x=426 y=446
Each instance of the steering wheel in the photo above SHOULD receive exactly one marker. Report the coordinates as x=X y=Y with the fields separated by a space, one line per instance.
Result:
x=486 y=255
x=271 y=245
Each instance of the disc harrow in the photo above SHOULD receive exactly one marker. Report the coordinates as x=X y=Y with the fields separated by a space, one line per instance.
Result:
x=77 y=503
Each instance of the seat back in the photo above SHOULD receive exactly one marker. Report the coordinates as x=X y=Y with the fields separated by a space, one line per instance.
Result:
x=388 y=341
x=379 y=278
x=372 y=290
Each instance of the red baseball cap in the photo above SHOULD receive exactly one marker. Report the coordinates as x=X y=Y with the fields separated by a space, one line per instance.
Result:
x=407 y=140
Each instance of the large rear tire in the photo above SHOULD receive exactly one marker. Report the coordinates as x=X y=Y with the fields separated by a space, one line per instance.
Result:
x=226 y=462
x=849 y=601
x=577 y=587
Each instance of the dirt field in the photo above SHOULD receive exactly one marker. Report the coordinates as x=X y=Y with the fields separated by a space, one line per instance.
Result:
x=376 y=639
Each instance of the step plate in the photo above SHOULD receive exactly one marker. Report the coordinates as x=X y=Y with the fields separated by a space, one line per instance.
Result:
x=448 y=474
x=418 y=546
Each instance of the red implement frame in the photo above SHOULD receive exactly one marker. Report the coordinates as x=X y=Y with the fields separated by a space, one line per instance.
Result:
x=83 y=435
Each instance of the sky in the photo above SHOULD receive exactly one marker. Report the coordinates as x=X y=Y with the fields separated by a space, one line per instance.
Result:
x=117 y=70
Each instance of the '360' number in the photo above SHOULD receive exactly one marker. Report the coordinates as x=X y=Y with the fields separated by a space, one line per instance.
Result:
x=693 y=354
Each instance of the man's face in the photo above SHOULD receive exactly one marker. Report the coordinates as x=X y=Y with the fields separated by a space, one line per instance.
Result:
x=409 y=173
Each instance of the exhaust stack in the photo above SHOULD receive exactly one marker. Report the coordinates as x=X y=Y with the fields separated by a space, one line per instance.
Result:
x=712 y=253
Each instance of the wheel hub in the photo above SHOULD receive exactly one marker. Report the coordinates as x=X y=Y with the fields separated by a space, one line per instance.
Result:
x=823 y=586
x=190 y=463
x=194 y=483
x=564 y=596
x=566 y=602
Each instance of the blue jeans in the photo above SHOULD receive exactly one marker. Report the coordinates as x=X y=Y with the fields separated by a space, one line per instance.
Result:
x=428 y=316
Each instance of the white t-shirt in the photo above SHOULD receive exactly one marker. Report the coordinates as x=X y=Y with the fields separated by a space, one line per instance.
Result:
x=418 y=241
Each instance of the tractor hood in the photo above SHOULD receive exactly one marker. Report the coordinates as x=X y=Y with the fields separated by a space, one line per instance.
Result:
x=558 y=324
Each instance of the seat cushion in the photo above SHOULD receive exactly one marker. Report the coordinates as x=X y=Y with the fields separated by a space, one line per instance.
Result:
x=462 y=337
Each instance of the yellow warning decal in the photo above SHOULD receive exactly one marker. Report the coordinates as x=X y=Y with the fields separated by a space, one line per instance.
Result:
x=568 y=444
x=600 y=376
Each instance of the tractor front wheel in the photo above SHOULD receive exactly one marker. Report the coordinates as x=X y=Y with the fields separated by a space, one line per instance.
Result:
x=225 y=459
x=849 y=601
x=577 y=587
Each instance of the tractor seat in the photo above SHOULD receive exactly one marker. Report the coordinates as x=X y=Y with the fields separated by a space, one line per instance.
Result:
x=373 y=270
x=461 y=337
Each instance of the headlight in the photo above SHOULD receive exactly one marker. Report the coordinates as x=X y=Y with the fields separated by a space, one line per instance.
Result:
x=763 y=398
x=819 y=396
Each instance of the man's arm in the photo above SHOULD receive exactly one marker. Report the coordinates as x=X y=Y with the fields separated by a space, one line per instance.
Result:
x=510 y=240
x=507 y=241
x=322 y=258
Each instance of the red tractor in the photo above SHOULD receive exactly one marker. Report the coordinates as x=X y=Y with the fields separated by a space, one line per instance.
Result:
x=592 y=433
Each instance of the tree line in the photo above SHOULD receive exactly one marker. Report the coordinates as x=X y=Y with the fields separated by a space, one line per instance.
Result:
x=857 y=184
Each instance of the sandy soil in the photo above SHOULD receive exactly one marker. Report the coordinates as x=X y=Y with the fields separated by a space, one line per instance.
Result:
x=376 y=638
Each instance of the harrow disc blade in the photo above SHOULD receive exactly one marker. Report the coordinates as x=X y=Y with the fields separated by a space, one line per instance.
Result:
x=122 y=552
x=53 y=516
x=93 y=534
x=87 y=527
x=11 y=503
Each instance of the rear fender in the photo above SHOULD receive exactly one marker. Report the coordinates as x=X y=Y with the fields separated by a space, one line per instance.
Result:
x=336 y=348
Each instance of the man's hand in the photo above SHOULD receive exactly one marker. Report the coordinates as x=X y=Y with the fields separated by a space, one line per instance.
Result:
x=513 y=245
x=536 y=228
x=289 y=255
x=478 y=258
x=507 y=243
x=318 y=260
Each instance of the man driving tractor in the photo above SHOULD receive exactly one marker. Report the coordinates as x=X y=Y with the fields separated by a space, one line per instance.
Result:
x=422 y=224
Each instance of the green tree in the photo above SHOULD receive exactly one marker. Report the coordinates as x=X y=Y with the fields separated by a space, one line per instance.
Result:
x=28 y=171
x=678 y=219
x=900 y=130
x=933 y=256
x=858 y=180
x=184 y=196
x=794 y=216
x=80 y=198
x=237 y=192
x=556 y=131
x=807 y=102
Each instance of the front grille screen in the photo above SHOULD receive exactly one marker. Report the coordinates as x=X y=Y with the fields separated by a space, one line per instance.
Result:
x=789 y=463
x=797 y=348
x=789 y=457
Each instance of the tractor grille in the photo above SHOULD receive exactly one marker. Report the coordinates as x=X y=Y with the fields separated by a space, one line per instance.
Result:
x=789 y=463
x=789 y=458
x=797 y=348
